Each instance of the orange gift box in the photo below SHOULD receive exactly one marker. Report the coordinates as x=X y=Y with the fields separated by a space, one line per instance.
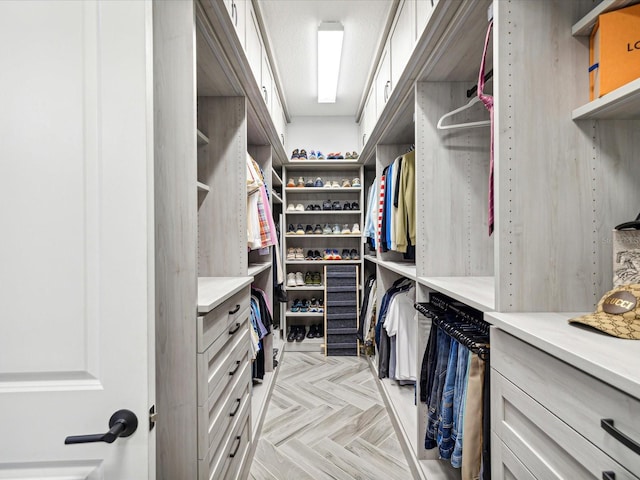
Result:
x=614 y=50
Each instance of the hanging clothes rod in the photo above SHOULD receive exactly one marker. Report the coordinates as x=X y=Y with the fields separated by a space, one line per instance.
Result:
x=473 y=90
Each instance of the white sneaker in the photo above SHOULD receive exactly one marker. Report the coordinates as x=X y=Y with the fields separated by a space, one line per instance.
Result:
x=356 y=228
x=291 y=208
x=299 y=208
x=291 y=279
x=299 y=279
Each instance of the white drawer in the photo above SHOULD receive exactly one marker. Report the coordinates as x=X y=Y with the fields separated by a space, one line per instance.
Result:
x=548 y=447
x=226 y=317
x=576 y=398
x=234 y=466
x=233 y=445
x=218 y=367
x=215 y=418
x=504 y=464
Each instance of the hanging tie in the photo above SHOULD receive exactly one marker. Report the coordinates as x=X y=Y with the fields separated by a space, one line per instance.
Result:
x=487 y=100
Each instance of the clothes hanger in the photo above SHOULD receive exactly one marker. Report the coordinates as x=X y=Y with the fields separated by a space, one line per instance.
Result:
x=473 y=101
x=635 y=225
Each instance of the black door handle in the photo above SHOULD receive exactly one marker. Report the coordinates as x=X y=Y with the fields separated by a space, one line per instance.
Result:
x=234 y=330
x=235 y=310
x=607 y=425
x=233 y=372
x=233 y=454
x=121 y=424
x=233 y=414
x=608 y=476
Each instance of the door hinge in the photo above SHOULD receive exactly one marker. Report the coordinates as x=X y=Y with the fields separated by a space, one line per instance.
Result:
x=153 y=417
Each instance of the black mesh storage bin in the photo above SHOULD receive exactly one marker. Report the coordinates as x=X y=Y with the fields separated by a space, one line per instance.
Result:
x=341 y=307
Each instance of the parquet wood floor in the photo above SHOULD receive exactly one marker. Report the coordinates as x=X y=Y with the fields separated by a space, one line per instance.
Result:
x=327 y=420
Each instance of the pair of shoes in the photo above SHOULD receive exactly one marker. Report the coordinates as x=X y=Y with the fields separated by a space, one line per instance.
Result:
x=299 y=154
x=295 y=208
x=297 y=333
x=331 y=184
x=331 y=254
x=327 y=230
x=336 y=229
x=355 y=182
x=295 y=279
x=315 y=331
x=313 y=207
x=297 y=230
x=351 y=156
x=295 y=254
x=309 y=183
x=335 y=156
x=319 y=155
x=299 y=183
x=312 y=155
x=326 y=205
x=313 y=278
x=351 y=206
x=291 y=183
x=346 y=183
x=313 y=254
x=350 y=254
x=318 y=183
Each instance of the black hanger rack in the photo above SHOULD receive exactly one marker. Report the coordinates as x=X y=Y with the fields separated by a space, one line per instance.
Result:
x=465 y=325
x=474 y=89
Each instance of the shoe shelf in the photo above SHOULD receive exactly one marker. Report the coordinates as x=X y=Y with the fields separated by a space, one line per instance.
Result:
x=322 y=262
x=302 y=165
x=323 y=235
x=322 y=189
x=326 y=212
x=202 y=139
x=304 y=314
x=306 y=288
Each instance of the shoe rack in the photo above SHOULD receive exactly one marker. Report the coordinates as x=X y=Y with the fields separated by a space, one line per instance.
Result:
x=335 y=172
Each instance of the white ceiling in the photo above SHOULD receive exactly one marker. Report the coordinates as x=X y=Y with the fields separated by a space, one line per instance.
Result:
x=292 y=30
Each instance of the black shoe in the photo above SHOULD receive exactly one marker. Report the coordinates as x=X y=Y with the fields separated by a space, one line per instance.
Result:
x=354 y=254
x=312 y=332
x=355 y=206
x=291 y=228
x=346 y=255
x=308 y=230
x=302 y=330
x=316 y=207
x=326 y=205
x=309 y=207
x=336 y=206
x=316 y=255
x=309 y=255
x=347 y=206
x=319 y=330
x=293 y=331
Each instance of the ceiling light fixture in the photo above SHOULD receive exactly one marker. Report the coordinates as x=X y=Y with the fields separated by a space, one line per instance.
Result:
x=330 y=36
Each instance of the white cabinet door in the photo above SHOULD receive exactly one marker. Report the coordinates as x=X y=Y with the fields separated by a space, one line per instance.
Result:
x=267 y=81
x=383 y=82
x=277 y=115
x=239 y=18
x=369 y=116
x=402 y=39
x=76 y=176
x=253 y=46
x=424 y=9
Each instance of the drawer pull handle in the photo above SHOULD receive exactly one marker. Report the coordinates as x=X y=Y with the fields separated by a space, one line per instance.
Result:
x=233 y=372
x=233 y=414
x=235 y=450
x=607 y=425
x=231 y=332
x=235 y=310
x=608 y=476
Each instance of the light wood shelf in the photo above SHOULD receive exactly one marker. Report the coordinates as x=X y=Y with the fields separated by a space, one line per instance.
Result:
x=257 y=268
x=341 y=165
x=304 y=314
x=275 y=178
x=326 y=212
x=202 y=139
x=477 y=292
x=323 y=262
x=622 y=103
x=585 y=25
x=324 y=235
x=402 y=268
x=322 y=189
x=306 y=288
x=203 y=188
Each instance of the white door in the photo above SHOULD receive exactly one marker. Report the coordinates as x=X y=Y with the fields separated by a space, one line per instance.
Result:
x=76 y=237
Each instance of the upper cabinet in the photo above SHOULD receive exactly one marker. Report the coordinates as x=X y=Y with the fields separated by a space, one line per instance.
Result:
x=402 y=39
x=424 y=8
x=382 y=81
x=238 y=12
x=266 y=84
x=368 y=119
x=277 y=114
x=253 y=46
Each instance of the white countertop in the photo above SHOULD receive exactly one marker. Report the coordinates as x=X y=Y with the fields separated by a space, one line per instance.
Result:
x=613 y=360
x=212 y=291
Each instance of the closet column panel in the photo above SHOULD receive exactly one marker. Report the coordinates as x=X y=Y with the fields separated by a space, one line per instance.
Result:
x=222 y=218
x=175 y=238
x=561 y=185
x=452 y=171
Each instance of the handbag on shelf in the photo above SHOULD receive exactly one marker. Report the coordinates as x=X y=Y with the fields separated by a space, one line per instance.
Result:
x=626 y=253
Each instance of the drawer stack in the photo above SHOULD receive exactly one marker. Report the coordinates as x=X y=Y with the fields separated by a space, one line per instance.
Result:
x=341 y=311
x=224 y=388
x=551 y=419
